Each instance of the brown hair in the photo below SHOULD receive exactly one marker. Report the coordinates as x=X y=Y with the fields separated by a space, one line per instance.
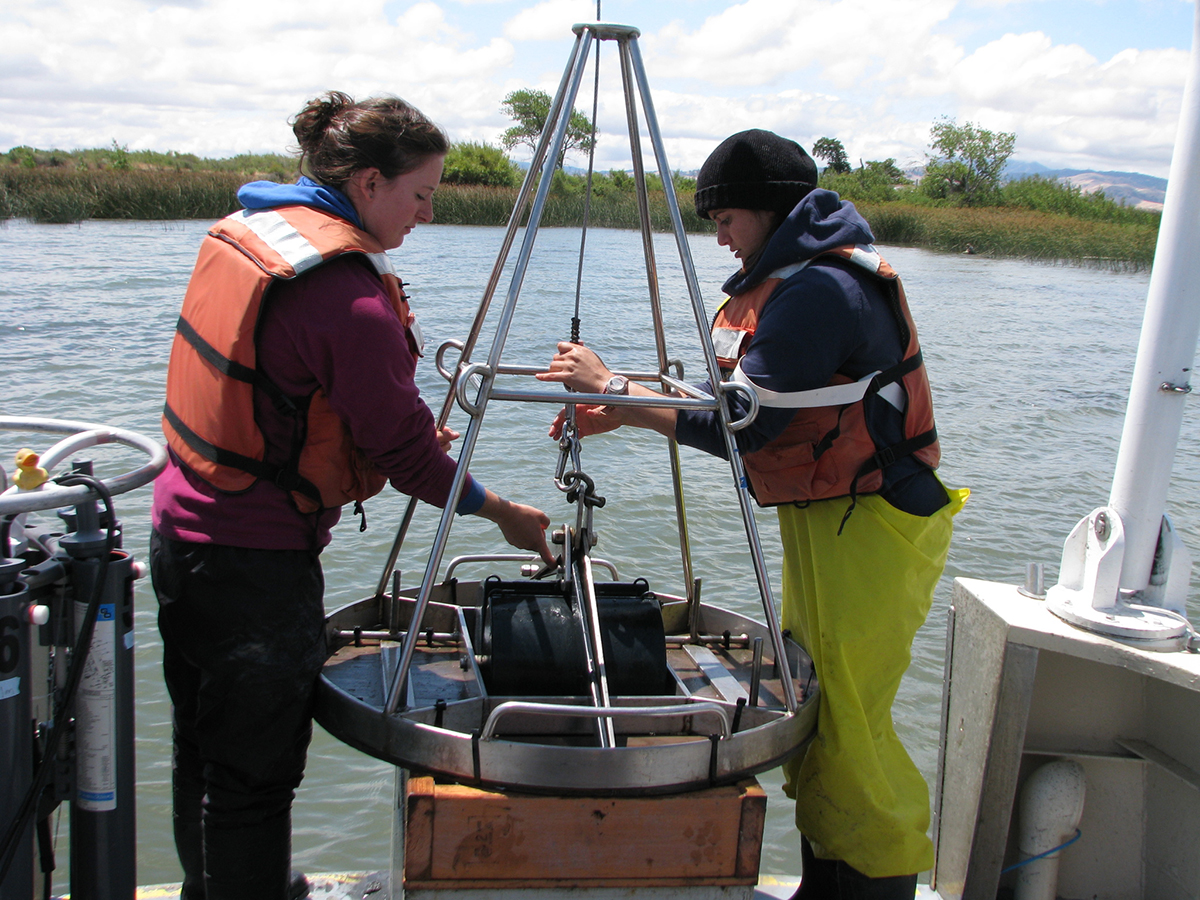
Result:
x=339 y=137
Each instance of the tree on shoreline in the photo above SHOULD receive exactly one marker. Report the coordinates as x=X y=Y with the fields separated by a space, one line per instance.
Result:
x=530 y=109
x=834 y=154
x=967 y=162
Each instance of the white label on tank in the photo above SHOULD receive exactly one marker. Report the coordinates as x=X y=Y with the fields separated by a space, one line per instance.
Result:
x=96 y=715
x=10 y=687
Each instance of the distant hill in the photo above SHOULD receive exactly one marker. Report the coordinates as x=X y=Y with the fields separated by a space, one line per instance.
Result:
x=1135 y=189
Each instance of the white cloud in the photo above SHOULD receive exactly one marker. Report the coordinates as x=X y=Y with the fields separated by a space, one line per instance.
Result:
x=865 y=70
x=1062 y=102
x=220 y=77
x=759 y=42
x=549 y=20
x=184 y=78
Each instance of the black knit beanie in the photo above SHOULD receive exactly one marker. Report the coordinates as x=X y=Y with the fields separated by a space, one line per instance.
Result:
x=755 y=169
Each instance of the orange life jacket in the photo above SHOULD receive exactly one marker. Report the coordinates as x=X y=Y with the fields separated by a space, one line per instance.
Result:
x=212 y=376
x=828 y=449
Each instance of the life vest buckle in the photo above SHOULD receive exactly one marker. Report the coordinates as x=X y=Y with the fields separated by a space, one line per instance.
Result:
x=288 y=479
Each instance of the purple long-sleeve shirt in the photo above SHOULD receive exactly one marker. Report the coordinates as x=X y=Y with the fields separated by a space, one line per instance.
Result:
x=332 y=328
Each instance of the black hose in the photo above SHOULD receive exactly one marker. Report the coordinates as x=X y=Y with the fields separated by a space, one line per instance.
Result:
x=12 y=835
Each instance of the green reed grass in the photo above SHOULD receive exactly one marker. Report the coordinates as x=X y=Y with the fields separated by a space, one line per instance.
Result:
x=59 y=194
x=474 y=205
x=50 y=195
x=1020 y=233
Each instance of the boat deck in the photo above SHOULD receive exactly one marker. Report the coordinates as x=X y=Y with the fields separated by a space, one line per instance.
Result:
x=365 y=886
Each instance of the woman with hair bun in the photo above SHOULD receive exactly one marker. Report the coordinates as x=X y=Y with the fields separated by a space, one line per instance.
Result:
x=290 y=392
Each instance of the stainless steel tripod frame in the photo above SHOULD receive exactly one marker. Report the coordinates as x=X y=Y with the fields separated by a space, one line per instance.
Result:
x=683 y=396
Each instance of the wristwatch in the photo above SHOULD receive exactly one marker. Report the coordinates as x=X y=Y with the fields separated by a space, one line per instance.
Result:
x=618 y=384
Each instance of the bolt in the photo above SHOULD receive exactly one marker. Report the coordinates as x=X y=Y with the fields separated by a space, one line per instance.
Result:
x=1101 y=525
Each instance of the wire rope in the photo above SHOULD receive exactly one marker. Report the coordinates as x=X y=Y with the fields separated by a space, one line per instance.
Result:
x=587 y=196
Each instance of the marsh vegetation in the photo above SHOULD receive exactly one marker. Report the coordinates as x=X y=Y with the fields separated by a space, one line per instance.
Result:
x=1032 y=218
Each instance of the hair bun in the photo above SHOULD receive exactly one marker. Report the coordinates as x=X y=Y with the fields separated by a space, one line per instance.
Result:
x=339 y=137
x=319 y=115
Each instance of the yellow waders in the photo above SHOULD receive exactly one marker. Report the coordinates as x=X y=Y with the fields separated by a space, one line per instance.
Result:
x=855 y=601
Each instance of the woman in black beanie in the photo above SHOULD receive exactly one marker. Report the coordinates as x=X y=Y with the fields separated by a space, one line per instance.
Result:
x=844 y=445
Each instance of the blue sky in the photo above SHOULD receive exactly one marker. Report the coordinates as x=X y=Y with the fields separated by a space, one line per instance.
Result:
x=1082 y=83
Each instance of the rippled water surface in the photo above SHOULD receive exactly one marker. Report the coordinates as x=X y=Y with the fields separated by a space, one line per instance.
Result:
x=1030 y=366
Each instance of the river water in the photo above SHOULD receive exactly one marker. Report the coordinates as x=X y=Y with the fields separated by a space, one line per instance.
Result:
x=1030 y=367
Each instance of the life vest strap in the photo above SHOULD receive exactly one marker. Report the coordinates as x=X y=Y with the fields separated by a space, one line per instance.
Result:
x=883 y=458
x=286 y=477
x=283 y=403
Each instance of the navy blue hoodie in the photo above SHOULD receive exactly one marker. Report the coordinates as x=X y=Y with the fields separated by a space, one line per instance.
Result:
x=829 y=318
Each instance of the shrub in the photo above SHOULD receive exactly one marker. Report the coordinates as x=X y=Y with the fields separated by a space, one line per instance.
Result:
x=482 y=164
x=861 y=185
x=1048 y=195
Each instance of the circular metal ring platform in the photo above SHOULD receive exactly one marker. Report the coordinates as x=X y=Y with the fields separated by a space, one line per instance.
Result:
x=705 y=733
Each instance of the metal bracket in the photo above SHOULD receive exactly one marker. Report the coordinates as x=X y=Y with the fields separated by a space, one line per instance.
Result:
x=1088 y=592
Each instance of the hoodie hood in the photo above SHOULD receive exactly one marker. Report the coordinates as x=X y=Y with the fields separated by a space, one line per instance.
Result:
x=820 y=222
x=305 y=192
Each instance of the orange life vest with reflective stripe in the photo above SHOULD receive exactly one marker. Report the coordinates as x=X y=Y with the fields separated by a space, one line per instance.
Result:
x=828 y=449
x=208 y=418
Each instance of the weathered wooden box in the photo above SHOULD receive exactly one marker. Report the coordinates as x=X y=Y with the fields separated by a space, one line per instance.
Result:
x=460 y=837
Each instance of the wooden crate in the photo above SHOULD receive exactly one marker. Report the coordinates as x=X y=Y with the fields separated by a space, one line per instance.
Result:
x=463 y=837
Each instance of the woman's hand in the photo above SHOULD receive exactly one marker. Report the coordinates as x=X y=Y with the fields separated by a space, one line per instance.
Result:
x=588 y=420
x=578 y=368
x=522 y=526
x=582 y=370
x=446 y=437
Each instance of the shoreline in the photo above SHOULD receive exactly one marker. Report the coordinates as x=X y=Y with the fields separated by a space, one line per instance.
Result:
x=68 y=196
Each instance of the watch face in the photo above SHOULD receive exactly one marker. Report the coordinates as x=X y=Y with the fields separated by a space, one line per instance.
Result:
x=618 y=384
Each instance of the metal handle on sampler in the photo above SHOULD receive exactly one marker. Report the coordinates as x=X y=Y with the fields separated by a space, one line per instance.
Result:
x=608 y=712
x=585 y=592
x=515 y=557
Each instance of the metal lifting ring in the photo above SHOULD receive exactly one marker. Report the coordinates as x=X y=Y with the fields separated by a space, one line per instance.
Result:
x=737 y=387
x=439 y=358
x=484 y=371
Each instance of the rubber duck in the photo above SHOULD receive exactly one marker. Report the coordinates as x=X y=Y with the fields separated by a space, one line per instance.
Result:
x=29 y=474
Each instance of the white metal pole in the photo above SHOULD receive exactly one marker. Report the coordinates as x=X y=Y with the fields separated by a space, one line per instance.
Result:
x=1166 y=350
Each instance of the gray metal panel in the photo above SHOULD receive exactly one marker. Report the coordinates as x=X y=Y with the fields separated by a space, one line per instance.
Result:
x=987 y=697
x=999 y=787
